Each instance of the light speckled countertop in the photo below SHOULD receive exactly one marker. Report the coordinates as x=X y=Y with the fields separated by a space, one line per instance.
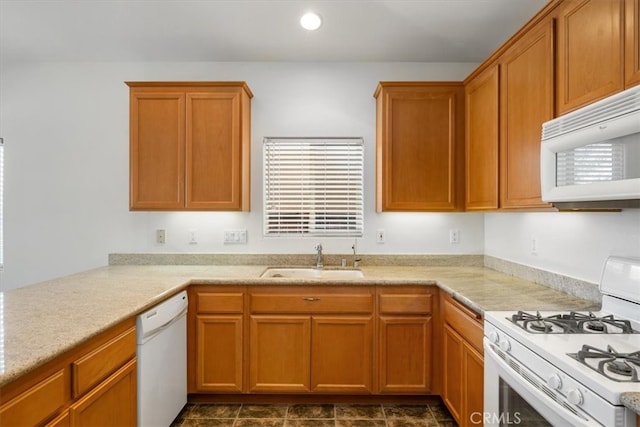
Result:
x=42 y=321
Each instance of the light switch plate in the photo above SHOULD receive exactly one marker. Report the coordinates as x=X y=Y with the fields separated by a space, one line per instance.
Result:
x=235 y=236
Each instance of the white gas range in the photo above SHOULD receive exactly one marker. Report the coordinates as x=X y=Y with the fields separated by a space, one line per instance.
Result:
x=567 y=368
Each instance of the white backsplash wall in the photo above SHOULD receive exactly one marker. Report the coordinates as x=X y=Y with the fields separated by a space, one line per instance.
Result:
x=574 y=244
x=66 y=131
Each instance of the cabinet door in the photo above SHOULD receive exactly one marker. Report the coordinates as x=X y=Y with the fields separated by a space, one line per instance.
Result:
x=213 y=150
x=404 y=354
x=473 y=384
x=341 y=354
x=590 y=52
x=38 y=403
x=279 y=353
x=526 y=102
x=157 y=129
x=632 y=42
x=219 y=353
x=453 y=391
x=111 y=403
x=419 y=147
x=481 y=141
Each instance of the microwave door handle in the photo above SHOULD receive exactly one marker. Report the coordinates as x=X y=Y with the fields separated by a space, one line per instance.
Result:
x=524 y=388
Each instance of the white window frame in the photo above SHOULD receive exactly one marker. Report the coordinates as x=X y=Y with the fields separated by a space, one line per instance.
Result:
x=313 y=187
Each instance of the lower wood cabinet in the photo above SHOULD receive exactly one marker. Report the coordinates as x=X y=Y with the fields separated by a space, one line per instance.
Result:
x=463 y=361
x=92 y=384
x=313 y=339
x=215 y=343
x=405 y=339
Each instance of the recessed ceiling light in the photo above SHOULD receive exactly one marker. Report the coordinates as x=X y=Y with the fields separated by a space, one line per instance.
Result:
x=310 y=21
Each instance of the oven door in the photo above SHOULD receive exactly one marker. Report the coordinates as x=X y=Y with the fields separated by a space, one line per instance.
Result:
x=513 y=395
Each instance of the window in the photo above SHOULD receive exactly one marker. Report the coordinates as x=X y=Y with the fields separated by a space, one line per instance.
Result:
x=313 y=186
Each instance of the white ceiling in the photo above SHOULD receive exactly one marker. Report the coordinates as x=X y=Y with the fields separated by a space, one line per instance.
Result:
x=258 y=30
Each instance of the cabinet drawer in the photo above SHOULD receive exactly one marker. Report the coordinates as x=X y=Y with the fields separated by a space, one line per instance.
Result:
x=464 y=321
x=37 y=403
x=311 y=302
x=92 y=368
x=405 y=304
x=210 y=302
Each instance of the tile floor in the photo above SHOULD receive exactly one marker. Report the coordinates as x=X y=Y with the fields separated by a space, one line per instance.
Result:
x=313 y=415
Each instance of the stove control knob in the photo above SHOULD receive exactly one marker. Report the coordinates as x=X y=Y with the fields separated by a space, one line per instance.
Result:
x=554 y=381
x=494 y=337
x=505 y=345
x=574 y=396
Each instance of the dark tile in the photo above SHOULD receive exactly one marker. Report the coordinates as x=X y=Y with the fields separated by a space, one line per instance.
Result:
x=359 y=411
x=259 y=422
x=263 y=411
x=310 y=411
x=440 y=412
x=360 y=423
x=220 y=422
x=410 y=422
x=210 y=411
x=452 y=423
x=407 y=411
x=309 y=423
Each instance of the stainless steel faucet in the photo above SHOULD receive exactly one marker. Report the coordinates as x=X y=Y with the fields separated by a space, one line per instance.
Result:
x=319 y=256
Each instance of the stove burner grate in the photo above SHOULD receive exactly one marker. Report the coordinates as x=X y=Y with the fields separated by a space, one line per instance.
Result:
x=571 y=323
x=610 y=363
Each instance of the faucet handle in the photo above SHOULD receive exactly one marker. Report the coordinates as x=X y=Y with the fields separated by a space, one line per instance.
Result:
x=318 y=247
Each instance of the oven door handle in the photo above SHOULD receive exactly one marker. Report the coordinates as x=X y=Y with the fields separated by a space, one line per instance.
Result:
x=541 y=401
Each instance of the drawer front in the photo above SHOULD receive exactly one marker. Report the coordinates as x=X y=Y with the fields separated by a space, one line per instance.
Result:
x=405 y=304
x=311 y=303
x=466 y=322
x=215 y=302
x=37 y=403
x=92 y=368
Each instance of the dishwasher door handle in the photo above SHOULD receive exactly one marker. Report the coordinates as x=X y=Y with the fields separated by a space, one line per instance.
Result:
x=152 y=333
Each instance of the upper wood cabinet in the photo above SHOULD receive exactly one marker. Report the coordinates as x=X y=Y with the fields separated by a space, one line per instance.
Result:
x=482 y=109
x=190 y=145
x=632 y=42
x=419 y=146
x=526 y=102
x=590 y=52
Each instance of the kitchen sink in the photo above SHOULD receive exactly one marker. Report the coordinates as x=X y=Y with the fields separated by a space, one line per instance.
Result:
x=312 y=273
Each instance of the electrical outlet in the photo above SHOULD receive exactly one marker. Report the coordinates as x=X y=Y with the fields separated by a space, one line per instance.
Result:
x=161 y=236
x=454 y=236
x=238 y=236
x=193 y=238
x=534 y=245
x=380 y=236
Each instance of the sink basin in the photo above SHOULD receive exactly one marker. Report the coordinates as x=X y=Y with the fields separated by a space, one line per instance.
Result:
x=311 y=273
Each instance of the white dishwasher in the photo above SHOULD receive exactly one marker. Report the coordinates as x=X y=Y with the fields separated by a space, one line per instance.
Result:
x=162 y=362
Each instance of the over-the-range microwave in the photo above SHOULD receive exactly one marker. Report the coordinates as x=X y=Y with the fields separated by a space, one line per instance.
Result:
x=590 y=158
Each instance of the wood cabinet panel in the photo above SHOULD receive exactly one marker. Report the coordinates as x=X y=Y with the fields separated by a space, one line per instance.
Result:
x=341 y=354
x=94 y=367
x=157 y=143
x=219 y=353
x=405 y=304
x=465 y=321
x=632 y=42
x=112 y=403
x=311 y=301
x=526 y=102
x=219 y=302
x=474 y=384
x=190 y=145
x=280 y=353
x=453 y=381
x=38 y=403
x=419 y=146
x=405 y=352
x=482 y=109
x=590 y=52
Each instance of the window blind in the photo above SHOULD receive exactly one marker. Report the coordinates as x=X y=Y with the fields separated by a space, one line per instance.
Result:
x=313 y=186
x=1 y=204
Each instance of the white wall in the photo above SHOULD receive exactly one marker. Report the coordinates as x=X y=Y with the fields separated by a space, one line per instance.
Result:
x=574 y=244
x=66 y=147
